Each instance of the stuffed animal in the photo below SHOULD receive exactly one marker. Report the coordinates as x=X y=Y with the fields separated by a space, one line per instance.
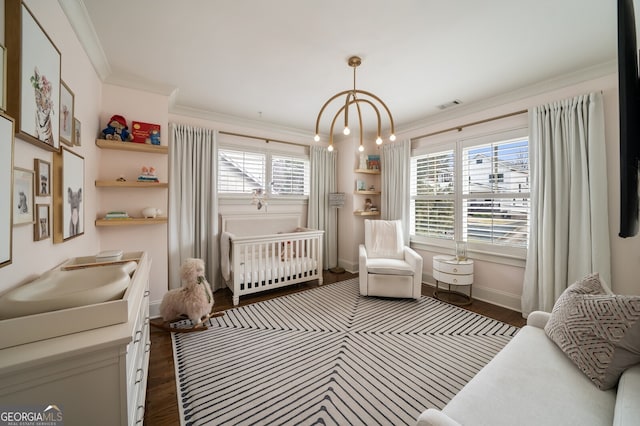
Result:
x=117 y=129
x=154 y=137
x=194 y=299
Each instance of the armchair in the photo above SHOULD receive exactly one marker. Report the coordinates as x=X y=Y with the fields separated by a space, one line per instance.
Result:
x=387 y=267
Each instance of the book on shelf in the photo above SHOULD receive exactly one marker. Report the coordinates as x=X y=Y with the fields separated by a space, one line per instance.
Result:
x=373 y=162
x=116 y=215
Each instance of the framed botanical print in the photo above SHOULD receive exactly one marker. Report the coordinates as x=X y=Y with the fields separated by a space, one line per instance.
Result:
x=33 y=77
x=68 y=195
x=43 y=177
x=41 y=227
x=77 y=132
x=6 y=188
x=22 y=196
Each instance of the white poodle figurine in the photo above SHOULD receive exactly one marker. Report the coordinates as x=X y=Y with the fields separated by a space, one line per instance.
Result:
x=194 y=299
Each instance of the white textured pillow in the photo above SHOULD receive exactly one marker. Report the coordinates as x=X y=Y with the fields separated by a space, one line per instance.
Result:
x=599 y=332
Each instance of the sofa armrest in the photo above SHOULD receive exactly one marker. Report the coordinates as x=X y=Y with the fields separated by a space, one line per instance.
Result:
x=434 y=417
x=538 y=318
x=627 y=411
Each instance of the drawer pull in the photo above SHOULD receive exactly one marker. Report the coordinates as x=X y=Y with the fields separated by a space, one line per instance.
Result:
x=140 y=418
x=137 y=336
x=455 y=269
x=455 y=280
x=146 y=293
x=147 y=347
x=138 y=380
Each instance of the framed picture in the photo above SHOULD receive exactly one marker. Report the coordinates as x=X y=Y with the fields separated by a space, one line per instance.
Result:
x=3 y=78
x=77 y=133
x=68 y=195
x=66 y=114
x=33 y=78
x=22 y=196
x=6 y=188
x=41 y=228
x=43 y=177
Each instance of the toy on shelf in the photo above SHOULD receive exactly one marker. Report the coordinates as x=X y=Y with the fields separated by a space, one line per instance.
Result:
x=117 y=129
x=148 y=133
x=148 y=174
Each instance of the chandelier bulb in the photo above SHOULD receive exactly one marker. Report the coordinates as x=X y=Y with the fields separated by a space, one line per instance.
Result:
x=378 y=140
x=361 y=148
x=330 y=148
x=392 y=137
x=316 y=138
x=346 y=130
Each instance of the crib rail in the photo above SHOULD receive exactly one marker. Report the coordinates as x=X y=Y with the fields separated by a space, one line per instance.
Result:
x=271 y=261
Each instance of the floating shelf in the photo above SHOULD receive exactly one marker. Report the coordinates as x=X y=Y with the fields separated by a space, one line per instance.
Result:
x=362 y=213
x=132 y=146
x=130 y=184
x=131 y=221
x=369 y=171
x=366 y=192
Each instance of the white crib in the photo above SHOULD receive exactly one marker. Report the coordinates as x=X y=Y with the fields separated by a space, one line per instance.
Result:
x=268 y=252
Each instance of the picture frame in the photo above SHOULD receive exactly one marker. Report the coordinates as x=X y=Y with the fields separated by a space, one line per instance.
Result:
x=6 y=188
x=23 y=200
x=33 y=78
x=77 y=132
x=42 y=225
x=3 y=78
x=66 y=113
x=68 y=195
x=43 y=177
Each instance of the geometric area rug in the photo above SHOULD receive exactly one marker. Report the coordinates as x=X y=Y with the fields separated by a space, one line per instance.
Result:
x=328 y=356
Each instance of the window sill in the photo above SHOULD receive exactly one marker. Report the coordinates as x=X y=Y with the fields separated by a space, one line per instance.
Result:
x=273 y=200
x=499 y=258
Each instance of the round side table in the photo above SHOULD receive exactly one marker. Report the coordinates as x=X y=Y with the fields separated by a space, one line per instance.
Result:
x=448 y=270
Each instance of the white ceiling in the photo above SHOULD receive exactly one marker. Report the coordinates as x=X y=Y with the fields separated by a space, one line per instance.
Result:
x=278 y=61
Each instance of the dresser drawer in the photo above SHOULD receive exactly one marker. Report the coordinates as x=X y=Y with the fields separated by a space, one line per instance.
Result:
x=463 y=268
x=452 y=278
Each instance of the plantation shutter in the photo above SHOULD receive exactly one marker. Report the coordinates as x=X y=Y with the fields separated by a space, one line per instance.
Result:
x=240 y=171
x=289 y=175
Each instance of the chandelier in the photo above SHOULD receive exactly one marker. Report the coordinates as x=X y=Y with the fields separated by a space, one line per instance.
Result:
x=355 y=97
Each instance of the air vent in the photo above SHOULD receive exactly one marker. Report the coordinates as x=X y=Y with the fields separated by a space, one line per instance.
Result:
x=450 y=104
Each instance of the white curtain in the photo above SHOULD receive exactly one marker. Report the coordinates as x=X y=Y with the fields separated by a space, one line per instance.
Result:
x=193 y=223
x=569 y=233
x=395 y=168
x=319 y=214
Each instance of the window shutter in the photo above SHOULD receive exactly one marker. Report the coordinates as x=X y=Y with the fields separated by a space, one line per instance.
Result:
x=289 y=175
x=240 y=172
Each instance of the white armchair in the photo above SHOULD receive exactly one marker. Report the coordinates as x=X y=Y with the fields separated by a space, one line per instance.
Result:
x=387 y=267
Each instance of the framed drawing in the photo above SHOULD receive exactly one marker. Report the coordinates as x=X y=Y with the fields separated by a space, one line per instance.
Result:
x=43 y=177
x=3 y=78
x=41 y=228
x=6 y=189
x=77 y=132
x=22 y=196
x=66 y=114
x=68 y=195
x=33 y=78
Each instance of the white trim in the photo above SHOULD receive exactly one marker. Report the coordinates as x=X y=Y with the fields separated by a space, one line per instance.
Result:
x=493 y=257
x=245 y=199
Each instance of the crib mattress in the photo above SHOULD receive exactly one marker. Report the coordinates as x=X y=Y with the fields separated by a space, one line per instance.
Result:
x=259 y=270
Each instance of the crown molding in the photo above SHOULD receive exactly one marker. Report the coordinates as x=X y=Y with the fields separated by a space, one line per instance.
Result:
x=78 y=17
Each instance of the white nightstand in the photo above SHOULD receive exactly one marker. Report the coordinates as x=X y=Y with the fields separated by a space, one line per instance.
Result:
x=454 y=272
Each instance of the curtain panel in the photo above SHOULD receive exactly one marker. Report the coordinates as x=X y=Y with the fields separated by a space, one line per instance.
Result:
x=320 y=215
x=193 y=223
x=394 y=179
x=569 y=229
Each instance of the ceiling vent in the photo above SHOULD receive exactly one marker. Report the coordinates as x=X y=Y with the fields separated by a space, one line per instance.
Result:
x=449 y=104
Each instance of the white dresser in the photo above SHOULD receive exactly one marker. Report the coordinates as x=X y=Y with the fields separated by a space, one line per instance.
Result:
x=95 y=377
x=452 y=272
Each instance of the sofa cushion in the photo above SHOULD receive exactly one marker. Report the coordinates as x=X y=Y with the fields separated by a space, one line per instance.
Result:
x=531 y=382
x=388 y=267
x=599 y=332
x=627 y=407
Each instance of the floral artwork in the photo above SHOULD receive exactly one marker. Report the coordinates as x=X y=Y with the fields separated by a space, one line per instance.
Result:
x=44 y=107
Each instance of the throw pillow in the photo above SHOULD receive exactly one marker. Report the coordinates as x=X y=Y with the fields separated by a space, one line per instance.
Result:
x=599 y=332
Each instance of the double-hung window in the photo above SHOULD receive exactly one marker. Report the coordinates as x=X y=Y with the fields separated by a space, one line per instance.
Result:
x=474 y=190
x=242 y=172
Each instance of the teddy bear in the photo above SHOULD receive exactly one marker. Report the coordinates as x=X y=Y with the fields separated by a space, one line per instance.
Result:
x=117 y=129
x=154 y=137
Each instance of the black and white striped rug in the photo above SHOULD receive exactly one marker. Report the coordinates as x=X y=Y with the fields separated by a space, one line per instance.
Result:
x=329 y=356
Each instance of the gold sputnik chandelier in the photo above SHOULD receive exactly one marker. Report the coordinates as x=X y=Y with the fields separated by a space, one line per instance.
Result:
x=355 y=97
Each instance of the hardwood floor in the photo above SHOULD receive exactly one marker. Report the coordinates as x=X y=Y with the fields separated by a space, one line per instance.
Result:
x=161 y=404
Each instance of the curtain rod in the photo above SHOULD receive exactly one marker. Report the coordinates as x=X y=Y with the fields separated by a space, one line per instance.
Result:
x=474 y=123
x=267 y=140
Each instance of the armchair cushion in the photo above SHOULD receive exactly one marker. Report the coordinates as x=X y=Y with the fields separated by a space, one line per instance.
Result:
x=389 y=267
x=383 y=239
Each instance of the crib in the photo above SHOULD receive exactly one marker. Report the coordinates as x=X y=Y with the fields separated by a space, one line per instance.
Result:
x=266 y=252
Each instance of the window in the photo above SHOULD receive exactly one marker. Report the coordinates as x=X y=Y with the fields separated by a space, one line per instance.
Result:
x=243 y=171
x=475 y=190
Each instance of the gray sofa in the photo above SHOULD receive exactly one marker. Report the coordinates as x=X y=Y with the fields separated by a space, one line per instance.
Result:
x=532 y=382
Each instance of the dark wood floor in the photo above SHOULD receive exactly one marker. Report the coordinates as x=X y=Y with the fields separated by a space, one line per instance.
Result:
x=162 y=406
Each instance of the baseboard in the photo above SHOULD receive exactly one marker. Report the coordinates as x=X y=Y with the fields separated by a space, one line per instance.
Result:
x=351 y=267
x=154 y=309
x=489 y=295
